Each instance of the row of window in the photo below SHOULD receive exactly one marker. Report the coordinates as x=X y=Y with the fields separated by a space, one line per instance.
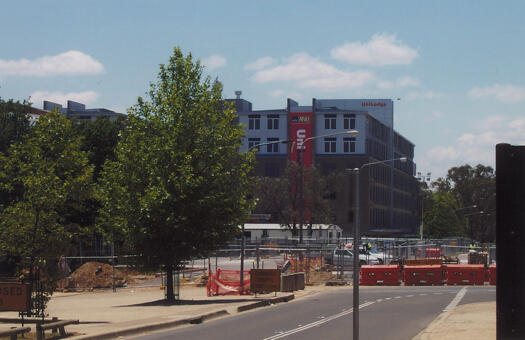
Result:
x=380 y=219
x=330 y=144
x=272 y=122
x=330 y=122
x=254 y=122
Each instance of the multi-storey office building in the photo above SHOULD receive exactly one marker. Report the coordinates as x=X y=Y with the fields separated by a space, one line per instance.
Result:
x=388 y=192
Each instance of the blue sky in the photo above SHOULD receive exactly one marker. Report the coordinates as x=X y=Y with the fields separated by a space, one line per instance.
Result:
x=457 y=66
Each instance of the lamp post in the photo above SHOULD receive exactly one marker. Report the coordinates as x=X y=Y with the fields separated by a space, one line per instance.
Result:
x=357 y=241
x=243 y=238
x=300 y=149
x=423 y=179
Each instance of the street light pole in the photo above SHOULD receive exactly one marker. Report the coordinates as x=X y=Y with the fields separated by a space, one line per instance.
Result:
x=357 y=241
x=423 y=179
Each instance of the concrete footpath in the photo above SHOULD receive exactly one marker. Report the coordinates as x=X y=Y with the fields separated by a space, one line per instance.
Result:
x=134 y=311
x=131 y=311
x=475 y=321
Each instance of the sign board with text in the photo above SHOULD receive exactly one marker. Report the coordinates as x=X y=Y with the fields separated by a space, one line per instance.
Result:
x=265 y=280
x=14 y=297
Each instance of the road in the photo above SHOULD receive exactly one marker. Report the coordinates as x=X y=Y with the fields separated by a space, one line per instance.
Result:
x=394 y=313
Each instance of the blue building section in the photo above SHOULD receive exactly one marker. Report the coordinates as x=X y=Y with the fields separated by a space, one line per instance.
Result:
x=389 y=193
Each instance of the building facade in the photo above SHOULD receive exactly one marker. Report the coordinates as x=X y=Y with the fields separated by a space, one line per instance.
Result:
x=388 y=192
x=79 y=111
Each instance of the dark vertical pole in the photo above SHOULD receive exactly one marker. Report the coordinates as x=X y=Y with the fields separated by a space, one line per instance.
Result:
x=356 y=260
x=242 y=261
x=510 y=237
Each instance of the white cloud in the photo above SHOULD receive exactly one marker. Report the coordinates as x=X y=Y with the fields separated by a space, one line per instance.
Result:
x=67 y=63
x=474 y=147
x=260 y=63
x=382 y=49
x=276 y=93
x=399 y=82
x=214 y=62
x=86 y=97
x=424 y=95
x=309 y=72
x=503 y=93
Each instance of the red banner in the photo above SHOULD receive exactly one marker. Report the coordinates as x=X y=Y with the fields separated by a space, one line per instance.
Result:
x=301 y=128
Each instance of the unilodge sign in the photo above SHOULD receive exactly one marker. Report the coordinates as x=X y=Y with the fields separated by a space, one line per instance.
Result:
x=14 y=297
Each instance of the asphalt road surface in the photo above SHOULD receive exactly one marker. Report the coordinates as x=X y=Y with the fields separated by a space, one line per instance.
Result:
x=393 y=313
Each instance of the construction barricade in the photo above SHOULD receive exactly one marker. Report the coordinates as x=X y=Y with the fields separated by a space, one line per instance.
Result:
x=433 y=252
x=423 y=262
x=426 y=275
x=492 y=274
x=380 y=275
x=465 y=274
x=227 y=282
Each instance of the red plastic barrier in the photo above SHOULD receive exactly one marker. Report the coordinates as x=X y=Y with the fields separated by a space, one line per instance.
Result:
x=433 y=252
x=492 y=274
x=227 y=282
x=423 y=275
x=386 y=275
x=465 y=274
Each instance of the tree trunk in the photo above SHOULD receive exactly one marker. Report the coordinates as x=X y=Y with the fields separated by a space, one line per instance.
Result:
x=170 y=296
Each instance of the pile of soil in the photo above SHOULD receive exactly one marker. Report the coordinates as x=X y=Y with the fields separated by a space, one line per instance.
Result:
x=320 y=276
x=96 y=275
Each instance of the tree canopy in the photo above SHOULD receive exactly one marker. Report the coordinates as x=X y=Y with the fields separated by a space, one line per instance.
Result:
x=179 y=186
x=474 y=192
x=53 y=180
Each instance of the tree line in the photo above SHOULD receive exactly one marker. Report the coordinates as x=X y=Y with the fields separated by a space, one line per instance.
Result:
x=167 y=182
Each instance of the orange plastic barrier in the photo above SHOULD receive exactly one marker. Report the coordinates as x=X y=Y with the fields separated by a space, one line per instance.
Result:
x=387 y=275
x=227 y=282
x=429 y=275
x=433 y=252
x=423 y=262
x=465 y=274
x=492 y=274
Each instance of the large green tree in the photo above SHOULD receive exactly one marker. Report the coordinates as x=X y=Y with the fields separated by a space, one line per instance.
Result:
x=179 y=186
x=441 y=220
x=53 y=179
x=474 y=189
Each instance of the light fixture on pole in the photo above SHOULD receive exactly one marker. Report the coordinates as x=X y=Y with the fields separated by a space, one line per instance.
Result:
x=355 y=248
x=300 y=149
x=423 y=179
x=243 y=238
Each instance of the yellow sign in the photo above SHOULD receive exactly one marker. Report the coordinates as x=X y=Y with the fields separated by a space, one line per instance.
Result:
x=14 y=297
x=265 y=280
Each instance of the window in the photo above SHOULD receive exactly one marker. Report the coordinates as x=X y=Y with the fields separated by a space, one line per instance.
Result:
x=253 y=142
x=349 y=144
x=272 y=147
x=330 y=122
x=329 y=145
x=273 y=122
x=265 y=233
x=254 y=122
x=349 y=122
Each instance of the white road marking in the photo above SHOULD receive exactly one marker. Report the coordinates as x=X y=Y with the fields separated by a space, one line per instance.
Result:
x=409 y=296
x=397 y=297
x=379 y=300
x=456 y=299
x=317 y=323
x=424 y=294
x=388 y=298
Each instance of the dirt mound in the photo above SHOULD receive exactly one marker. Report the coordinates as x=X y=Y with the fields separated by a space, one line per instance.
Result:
x=96 y=275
